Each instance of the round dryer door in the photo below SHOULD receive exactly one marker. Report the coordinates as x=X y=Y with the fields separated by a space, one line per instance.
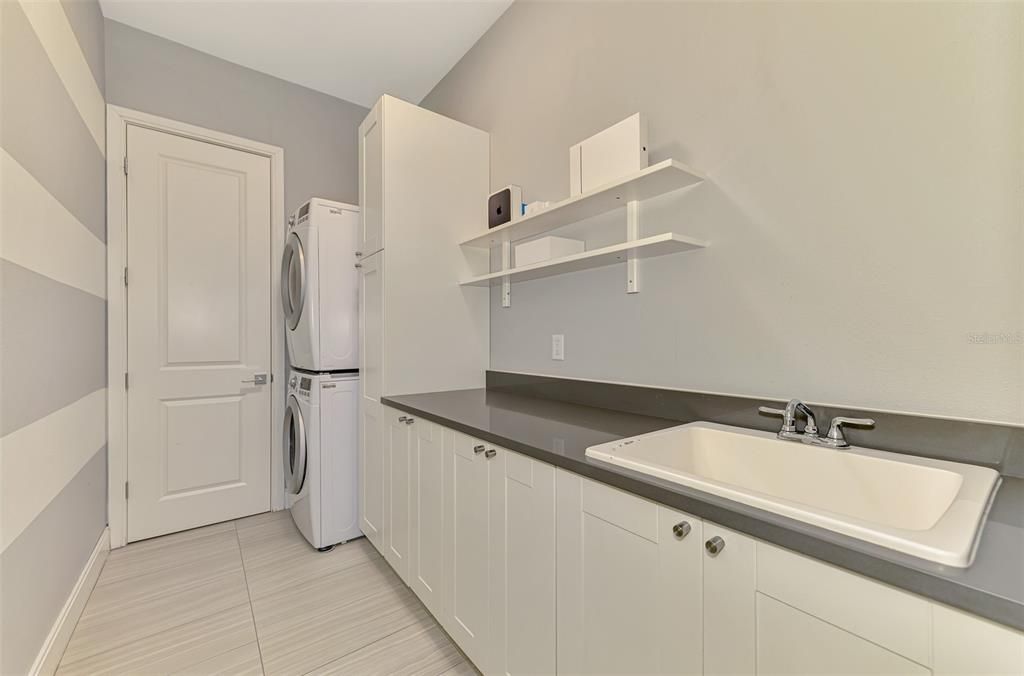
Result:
x=294 y=447
x=293 y=280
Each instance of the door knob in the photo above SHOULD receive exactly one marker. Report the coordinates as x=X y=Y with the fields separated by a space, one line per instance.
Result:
x=681 y=529
x=258 y=379
x=714 y=546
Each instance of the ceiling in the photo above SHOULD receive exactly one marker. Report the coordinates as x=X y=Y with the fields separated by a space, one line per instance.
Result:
x=354 y=50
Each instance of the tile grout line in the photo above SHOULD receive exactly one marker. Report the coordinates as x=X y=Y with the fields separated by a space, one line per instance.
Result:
x=248 y=594
x=155 y=633
x=362 y=647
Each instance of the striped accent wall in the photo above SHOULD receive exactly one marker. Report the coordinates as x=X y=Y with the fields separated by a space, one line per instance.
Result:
x=53 y=492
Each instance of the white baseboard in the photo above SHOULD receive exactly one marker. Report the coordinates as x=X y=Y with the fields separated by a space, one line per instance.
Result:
x=57 y=640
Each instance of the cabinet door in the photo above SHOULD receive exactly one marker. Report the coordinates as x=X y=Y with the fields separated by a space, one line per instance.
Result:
x=790 y=641
x=965 y=644
x=426 y=512
x=468 y=543
x=371 y=472
x=730 y=615
x=396 y=490
x=371 y=182
x=371 y=326
x=523 y=589
x=628 y=588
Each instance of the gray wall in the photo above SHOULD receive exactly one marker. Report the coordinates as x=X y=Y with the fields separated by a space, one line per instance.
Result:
x=319 y=133
x=864 y=202
x=52 y=333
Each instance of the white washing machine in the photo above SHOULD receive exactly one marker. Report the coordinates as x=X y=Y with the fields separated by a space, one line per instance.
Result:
x=319 y=286
x=320 y=456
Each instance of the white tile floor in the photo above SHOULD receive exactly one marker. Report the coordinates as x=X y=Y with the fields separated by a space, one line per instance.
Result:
x=252 y=597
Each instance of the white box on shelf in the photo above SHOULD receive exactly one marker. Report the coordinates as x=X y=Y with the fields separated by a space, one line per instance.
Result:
x=607 y=156
x=546 y=248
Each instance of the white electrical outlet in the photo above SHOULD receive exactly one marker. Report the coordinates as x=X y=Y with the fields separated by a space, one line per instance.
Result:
x=558 y=346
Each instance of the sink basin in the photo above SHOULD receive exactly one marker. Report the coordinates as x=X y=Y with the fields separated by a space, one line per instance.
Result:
x=932 y=509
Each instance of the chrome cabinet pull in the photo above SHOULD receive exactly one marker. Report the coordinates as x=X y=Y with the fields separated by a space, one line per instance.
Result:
x=258 y=379
x=409 y=421
x=478 y=449
x=402 y=418
x=714 y=546
x=681 y=529
x=490 y=454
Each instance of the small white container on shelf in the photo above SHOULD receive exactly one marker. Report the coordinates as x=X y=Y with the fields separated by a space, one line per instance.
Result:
x=546 y=248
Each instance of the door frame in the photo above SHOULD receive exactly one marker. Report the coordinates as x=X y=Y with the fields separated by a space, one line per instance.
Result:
x=118 y=119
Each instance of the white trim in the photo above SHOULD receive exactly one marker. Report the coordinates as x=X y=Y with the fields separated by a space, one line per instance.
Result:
x=49 y=239
x=57 y=640
x=118 y=119
x=52 y=451
x=55 y=34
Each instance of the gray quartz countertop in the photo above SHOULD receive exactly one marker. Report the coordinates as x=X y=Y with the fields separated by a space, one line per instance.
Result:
x=559 y=433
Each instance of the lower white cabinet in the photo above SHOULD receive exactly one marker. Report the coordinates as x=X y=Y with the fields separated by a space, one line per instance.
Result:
x=790 y=641
x=523 y=567
x=628 y=583
x=468 y=546
x=371 y=472
x=533 y=570
x=397 y=438
x=426 y=514
x=729 y=577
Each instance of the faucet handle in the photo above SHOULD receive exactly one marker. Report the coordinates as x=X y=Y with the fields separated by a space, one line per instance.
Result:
x=835 y=428
x=788 y=424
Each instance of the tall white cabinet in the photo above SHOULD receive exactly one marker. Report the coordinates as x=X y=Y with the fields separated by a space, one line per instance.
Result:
x=423 y=186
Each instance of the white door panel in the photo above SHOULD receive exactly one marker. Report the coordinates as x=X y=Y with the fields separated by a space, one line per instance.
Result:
x=198 y=328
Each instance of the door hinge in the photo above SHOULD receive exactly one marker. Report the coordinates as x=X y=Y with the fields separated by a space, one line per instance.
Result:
x=126 y=275
x=125 y=165
x=125 y=490
x=126 y=380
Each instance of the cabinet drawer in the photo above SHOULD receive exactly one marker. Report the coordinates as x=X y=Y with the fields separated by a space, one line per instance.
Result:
x=891 y=618
x=792 y=642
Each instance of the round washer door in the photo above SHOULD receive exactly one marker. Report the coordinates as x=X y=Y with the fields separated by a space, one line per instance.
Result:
x=294 y=447
x=293 y=280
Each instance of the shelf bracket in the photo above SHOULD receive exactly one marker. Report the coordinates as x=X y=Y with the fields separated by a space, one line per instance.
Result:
x=506 y=282
x=632 y=234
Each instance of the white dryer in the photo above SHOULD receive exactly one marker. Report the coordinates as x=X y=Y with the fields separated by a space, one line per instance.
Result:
x=320 y=456
x=319 y=286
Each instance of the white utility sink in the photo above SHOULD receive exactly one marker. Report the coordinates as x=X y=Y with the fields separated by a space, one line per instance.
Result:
x=931 y=509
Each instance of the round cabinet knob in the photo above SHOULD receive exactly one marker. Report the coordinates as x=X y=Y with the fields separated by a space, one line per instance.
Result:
x=358 y=265
x=490 y=454
x=714 y=546
x=681 y=529
x=359 y=254
x=478 y=449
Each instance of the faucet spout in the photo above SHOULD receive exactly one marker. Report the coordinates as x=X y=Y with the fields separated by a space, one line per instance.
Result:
x=794 y=408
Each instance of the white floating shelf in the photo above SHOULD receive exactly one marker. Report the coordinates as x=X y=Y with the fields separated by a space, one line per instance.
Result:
x=655 y=180
x=648 y=247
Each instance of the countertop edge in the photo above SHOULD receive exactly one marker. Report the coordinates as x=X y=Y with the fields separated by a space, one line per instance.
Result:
x=771 y=528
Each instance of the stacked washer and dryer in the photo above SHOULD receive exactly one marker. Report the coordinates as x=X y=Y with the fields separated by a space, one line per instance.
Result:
x=319 y=289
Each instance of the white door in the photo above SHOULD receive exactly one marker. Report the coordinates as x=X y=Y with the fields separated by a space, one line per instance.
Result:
x=371 y=431
x=468 y=540
x=523 y=532
x=790 y=641
x=199 y=333
x=396 y=490
x=628 y=583
x=730 y=615
x=426 y=514
x=371 y=182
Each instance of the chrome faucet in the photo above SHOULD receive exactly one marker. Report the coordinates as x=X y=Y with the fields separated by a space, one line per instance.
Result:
x=833 y=439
